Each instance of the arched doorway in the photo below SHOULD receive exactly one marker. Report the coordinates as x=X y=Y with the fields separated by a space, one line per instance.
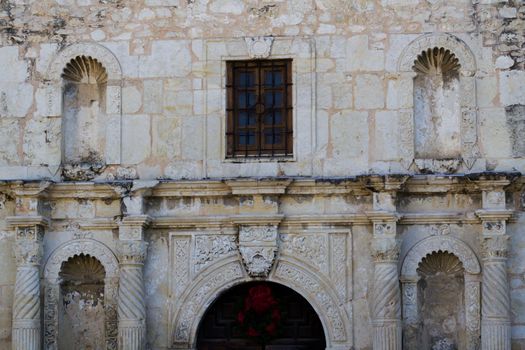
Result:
x=297 y=325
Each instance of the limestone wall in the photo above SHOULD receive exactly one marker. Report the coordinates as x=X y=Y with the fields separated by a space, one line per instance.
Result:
x=156 y=170
x=165 y=108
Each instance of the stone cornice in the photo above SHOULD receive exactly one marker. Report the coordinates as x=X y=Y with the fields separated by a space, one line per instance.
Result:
x=20 y=221
x=191 y=189
x=438 y=218
x=99 y=224
x=257 y=219
x=384 y=183
x=382 y=216
x=494 y=214
x=136 y=220
x=327 y=186
x=84 y=190
x=258 y=186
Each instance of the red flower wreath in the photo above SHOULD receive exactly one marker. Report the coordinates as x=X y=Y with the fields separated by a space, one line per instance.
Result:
x=259 y=316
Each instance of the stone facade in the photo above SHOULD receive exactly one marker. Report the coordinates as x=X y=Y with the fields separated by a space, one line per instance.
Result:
x=406 y=174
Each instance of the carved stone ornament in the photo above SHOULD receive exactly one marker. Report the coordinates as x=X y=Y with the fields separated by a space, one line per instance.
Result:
x=258 y=246
x=259 y=46
x=440 y=230
x=388 y=228
x=385 y=249
x=209 y=248
x=495 y=246
x=494 y=227
x=132 y=252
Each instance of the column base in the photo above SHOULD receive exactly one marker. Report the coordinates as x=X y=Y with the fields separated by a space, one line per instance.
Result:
x=495 y=335
x=26 y=334
x=387 y=335
x=131 y=335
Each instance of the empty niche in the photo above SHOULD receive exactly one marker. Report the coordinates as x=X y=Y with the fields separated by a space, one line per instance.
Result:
x=440 y=302
x=84 y=124
x=81 y=307
x=437 y=109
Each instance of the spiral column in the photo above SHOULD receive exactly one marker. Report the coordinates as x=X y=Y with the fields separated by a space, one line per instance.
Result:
x=495 y=308
x=132 y=251
x=26 y=304
x=495 y=296
x=386 y=309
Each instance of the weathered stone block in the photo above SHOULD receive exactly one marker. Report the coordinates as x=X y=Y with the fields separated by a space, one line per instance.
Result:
x=369 y=92
x=169 y=58
x=135 y=149
x=512 y=87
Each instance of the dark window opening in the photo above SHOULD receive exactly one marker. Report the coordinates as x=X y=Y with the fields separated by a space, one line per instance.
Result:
x=259 y=108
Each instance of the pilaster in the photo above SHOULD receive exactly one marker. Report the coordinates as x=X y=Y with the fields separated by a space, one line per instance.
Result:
x=495 y=321
x=132 y=250
x=386 y=303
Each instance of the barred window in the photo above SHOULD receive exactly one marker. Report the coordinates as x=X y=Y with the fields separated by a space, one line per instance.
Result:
x=259 y=108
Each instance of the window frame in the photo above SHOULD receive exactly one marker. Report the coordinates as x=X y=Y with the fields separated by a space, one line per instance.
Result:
x=235 y=150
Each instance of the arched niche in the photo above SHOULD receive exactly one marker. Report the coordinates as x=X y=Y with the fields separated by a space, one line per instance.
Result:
x=88 y=77
x=441 y=69
x=290 y=321
x=81 y=304
x=190 y=308
x=84 y=111
x=52 y=284
x=417 y=258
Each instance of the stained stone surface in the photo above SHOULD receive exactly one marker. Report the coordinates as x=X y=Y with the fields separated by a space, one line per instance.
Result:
x=390 y=165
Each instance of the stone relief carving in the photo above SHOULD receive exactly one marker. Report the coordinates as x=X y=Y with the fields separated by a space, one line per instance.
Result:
x=443 y=244
x=440 y=230
x=209 y=248
x=385 y=249
x=28 y=246
x=185 y=322
x=258 y=246
x=310 y=248
x=338 y=270
x=303 y=281
x=132 y=252
x=494 y=227
x=180 y=248
x=259 y=46
x=495 y=246
x=447 y=41
x=386 y=228
x=51 y=288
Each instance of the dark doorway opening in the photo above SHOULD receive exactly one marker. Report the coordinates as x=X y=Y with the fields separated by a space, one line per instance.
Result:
x=299 y=327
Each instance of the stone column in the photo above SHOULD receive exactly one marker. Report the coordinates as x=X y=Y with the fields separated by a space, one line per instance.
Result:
x=131 y=304
x=386 y=298
x=26 y=305
x=495 y=299
x=386 y=309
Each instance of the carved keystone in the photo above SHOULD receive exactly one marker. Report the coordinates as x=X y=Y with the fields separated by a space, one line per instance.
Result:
x=258 y=246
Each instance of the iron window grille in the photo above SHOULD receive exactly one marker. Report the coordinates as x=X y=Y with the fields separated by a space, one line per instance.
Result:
x=259 y=108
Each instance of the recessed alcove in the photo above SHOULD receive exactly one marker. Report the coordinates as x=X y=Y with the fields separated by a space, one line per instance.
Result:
x=81 y=308
x=437 y=107
x=84 y=117
x=441 y=302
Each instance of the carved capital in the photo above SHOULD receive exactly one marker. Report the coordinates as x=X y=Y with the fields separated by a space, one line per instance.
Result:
x=384 y=229
x=28 y=252
x=385 y=249
x=132 y=252
x=259 y=46
x=491 y=228
x=495 y=246
x=258 y=246
x=28 y=246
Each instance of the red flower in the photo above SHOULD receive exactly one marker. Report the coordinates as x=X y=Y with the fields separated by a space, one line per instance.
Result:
x=252 y=332
x=261 y=298
x=270 y=329
x=240 y=317
x=276 y=315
